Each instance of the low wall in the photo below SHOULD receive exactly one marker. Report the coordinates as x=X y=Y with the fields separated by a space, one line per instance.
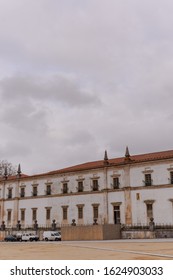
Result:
x=138 y=234
x=2 y=235
x=163 y=233
x=100 y=232
x=91 y=232
x=146 y=234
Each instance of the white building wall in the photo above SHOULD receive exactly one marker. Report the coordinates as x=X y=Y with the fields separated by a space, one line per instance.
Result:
x=56 y=204
x=116 y=197
x=115 y=172
x=159 y=173
x=129 y=175
x=162 y=206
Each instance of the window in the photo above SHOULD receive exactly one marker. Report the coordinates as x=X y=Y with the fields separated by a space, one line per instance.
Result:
x=116 y=182
x=95 y=185
x=34 y=191
x=80 y=186
x=9 y=215
x=171 y=177
x=149 y=211
x=65 y=188
x=64 y=212
x=48 y=211
x=34 y=214
x=148 y=180
x=80 y=211
x=116 y=209
x=95 y=211
x=9 y=193
x=22 y=215
x=22 y=192
x=48 y=190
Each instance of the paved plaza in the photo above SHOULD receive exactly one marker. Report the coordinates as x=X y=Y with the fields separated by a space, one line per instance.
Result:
x=155 y=249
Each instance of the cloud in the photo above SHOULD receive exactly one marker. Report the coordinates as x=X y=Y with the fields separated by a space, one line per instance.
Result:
x=56 y=88
x=79 y=77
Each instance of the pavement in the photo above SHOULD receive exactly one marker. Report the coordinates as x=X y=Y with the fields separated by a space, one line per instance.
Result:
x=128 y=249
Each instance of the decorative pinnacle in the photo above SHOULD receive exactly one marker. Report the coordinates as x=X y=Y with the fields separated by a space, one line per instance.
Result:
x=106 y=156
x=5 y=173
x=106 y=162
x=19 y=171
x=127 y=154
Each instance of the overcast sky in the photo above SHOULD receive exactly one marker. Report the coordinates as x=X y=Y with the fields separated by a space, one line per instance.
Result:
x=81 y=77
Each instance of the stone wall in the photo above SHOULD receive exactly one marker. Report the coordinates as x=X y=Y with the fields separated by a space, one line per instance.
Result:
x=146 y=234
x=139 y=234
x=164 y=233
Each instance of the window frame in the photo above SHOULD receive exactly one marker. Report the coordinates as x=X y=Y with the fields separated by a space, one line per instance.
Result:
x=95 y=184
x=148 y=179
x=116 y=182
x=34 y=214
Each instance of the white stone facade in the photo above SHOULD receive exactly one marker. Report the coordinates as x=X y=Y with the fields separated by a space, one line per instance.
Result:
x=129 y=190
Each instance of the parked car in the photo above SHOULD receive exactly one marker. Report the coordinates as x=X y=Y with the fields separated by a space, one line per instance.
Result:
x=27 y=237
x=10 y=238
x=51 y=236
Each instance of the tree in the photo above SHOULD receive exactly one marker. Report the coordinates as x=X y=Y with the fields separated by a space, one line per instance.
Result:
x=6 y=166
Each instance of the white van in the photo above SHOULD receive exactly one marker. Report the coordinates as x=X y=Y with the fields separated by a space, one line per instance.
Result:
x=51 y=236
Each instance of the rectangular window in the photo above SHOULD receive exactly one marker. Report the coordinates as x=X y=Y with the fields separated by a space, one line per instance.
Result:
x=117 y=214
x=65 y=188
x=34 y=191
x=171 y=177
x=95 y=185
x=34 y=214
x=95 y=212
x=9 y=215
x=80 y=212
x=48 y=190
x=64 y=209
x=48 y=210
x=148 y=180
x=22 y=215
x=22 y=192
x=149 y=211
x=116 y=183
x=9 y=193
x=80 y=186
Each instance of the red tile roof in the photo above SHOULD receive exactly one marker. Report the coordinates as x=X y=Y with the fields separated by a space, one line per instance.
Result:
x=116 y=162
x=101 y=163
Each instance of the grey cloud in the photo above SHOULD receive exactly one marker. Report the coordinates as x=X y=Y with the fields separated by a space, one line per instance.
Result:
x=12 y=147
x=25 y=118
x=57 y=89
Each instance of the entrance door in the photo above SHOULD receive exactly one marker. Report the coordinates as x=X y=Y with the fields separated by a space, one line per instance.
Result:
x=117 y=214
